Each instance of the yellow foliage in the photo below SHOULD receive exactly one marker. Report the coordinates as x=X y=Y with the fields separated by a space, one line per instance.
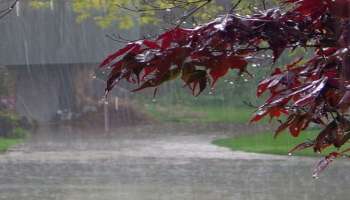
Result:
x=108 y=13
x=38 y=4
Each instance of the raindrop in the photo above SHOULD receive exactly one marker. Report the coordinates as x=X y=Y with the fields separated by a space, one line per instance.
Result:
x=17 y=9
x=51 y=5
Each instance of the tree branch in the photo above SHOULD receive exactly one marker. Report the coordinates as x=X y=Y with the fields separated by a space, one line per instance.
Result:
x=192 y=12
x=235 y=6
x=6 y=11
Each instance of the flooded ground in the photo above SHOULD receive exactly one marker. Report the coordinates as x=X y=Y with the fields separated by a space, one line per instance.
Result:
x=157 y=162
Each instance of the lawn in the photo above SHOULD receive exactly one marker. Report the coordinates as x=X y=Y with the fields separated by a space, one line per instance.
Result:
x=265 y=143
x=6 y=143
x=190 y=114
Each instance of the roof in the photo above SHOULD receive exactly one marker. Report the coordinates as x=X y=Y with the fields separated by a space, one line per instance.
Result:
x=52 y=36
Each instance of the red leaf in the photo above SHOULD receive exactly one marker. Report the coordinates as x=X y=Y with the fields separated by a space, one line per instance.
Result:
x=166 y=40
x=311 y=8
x=315 y=90
x=270 y=82
x=259 y=115
x=118 y=53
x=147 y=71
x=327 y=51
x=295 y=129
x=262 y=87
x=324 y=163
x=285 y=125
x=302 y=146
x=323 y=139
x=147 y=84
x=344 y=103
x=218 y=72
x=151 y=44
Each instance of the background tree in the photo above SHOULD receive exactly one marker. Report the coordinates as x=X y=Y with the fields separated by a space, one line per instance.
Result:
x=308 y=90
x=125 y=13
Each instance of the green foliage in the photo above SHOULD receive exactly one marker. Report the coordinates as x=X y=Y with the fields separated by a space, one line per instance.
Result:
x=6 y=143
x=39 y=4
x=11 y=126
x=199 y=114
x=19 y=132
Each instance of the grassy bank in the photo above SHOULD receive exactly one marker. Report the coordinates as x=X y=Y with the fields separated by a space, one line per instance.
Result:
x=190 y=114
x=265 y=143
x=6 y=143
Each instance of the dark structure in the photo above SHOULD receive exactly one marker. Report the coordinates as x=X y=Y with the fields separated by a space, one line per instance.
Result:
x=52 y=58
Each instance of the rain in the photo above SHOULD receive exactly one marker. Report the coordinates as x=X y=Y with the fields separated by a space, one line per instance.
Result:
x=73 y=142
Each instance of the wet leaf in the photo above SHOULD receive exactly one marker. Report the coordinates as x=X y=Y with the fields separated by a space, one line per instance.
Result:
x=118 y=53
x=302 y=146
x=324 y=163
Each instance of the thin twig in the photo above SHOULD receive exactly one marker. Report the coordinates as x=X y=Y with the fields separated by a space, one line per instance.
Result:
x=264 y=4
x=235 y=6
x=250 y=104
x=6 y=11
x=120 y=39
x=184 y=18
x=181 y=4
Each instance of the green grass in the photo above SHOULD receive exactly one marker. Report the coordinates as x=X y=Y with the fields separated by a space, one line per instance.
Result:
x=6 y=143
x=190 y=114
x=265 y=143
x=225 y=114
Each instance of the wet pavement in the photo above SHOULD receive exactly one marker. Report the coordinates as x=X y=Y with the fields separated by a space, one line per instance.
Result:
x=162 y=162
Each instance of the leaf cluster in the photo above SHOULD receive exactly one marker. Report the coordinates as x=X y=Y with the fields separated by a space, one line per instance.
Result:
x=311 y=90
